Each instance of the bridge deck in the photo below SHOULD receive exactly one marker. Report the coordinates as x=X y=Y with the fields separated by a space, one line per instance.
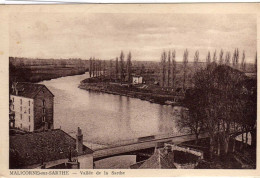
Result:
x=116 y=150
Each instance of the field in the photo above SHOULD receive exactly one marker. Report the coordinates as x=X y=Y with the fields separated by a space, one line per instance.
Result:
x=36 y=70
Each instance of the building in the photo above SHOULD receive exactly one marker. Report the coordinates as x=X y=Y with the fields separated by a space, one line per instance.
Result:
x=171 y=156
x=51 y=149
x=32 y=105
x=137 y=80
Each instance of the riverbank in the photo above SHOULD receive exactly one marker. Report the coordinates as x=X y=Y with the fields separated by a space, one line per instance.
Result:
x=151 y=93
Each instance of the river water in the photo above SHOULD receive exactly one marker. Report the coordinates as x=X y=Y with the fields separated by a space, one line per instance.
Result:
x=106 y=119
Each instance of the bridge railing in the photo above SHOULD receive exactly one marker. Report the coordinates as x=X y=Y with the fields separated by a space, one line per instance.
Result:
x=137 y=141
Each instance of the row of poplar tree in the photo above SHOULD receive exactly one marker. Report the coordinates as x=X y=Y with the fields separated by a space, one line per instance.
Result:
x=168 y=69
x=120 y=71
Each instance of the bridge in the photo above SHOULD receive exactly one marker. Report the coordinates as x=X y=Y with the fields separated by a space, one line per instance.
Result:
x=136 y=147
x=144 y=147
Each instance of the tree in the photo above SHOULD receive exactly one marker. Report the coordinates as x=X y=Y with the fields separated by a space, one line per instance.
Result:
x=94 y=67
x=221 y=58
x=104 y=68
x=216 y=97
x=227 y=58
x=208 y=59
x=129 y=67
x=205 y=98
x=90 y=67
x=163 y=69
x=142 y=69
x=98 y=67
x=110 y=69
x=196 y=60
x=185 y=63
x=243 y=62
x=169 y=68
x=214 y=59
x=122 y=75
x=173 y=72
x=250 y=110
x=117 y=69
x=235 y=58
x=191 y=118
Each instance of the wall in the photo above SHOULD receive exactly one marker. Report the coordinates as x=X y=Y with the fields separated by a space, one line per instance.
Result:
x=186 y=150
x=24 y=112
x=43 y=95
x=86 y=161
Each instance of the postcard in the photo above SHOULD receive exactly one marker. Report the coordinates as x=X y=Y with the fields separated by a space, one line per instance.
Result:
x=129 y=90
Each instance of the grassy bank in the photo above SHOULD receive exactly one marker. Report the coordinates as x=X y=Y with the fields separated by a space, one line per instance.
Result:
x=40 y=73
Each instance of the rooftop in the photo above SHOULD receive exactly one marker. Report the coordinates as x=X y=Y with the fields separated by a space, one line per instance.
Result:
x=159 y=160
x=28 y=90
x=38 y=147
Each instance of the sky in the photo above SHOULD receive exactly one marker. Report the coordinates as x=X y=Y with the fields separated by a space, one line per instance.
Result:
x=105 y=35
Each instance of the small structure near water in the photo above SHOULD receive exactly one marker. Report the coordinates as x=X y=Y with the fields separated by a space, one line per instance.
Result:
x=137 y=80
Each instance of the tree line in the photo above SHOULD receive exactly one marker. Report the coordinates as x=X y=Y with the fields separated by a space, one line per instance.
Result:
x=121 y=71
x=168 y=69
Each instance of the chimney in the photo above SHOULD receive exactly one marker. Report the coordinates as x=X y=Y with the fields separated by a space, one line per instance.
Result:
x=79 y=141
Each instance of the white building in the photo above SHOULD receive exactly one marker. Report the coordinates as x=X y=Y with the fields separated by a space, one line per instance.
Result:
x=137 y=80
x=32 y=105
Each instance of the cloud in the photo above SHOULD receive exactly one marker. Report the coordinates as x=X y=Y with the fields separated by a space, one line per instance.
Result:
x=146 y=35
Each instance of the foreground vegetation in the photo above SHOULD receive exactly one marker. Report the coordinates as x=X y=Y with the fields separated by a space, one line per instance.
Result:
x=243 y=157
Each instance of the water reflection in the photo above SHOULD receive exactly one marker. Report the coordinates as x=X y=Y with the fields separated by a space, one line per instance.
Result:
x=106 y=118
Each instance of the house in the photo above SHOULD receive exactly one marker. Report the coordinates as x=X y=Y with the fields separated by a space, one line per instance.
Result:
x=158 y=160
x=171 y=156
x=51 y=149
x=32 y=105
x=137 y=80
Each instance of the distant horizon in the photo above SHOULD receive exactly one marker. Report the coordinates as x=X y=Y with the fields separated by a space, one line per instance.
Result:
x=179 y=61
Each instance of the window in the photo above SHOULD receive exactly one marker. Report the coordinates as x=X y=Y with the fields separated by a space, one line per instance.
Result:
x=21 y=108
x=43 y=118
x=29 y=128
x=21 y=116
x=21 y=126
x=29 y=102
x=43 y=110
x=21 y=101
x=29 y=111
x=29 y=118
x=13 y=99
x=43 y=102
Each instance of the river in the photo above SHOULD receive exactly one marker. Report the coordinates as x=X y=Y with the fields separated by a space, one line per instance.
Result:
x=106 y=119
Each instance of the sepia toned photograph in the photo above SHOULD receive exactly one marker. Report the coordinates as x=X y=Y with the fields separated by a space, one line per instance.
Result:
x=136 y=91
